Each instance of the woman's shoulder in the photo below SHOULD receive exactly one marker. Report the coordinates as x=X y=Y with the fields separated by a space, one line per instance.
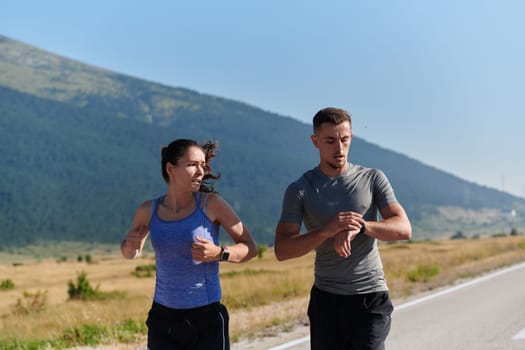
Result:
x=150 y=202
x=215 y=202
x=147 y=206
x=211 y=198
x=144 y=208
x=218 y=209
x=143 y=213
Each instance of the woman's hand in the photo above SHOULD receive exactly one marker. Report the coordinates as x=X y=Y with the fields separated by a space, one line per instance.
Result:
x=203 y=250
x=134 y=241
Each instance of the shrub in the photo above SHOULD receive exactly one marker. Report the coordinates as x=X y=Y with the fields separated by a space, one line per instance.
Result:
x=84 y=291
x=86 y=335
x=501 y=234
x=423 y=273
x=144 y=270
x=458 y=235
x=262 y=249
x=7 y=284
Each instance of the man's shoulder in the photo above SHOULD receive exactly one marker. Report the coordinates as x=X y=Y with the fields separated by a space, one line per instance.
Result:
x=303 y=181
x=357 y=169
x=306 y=175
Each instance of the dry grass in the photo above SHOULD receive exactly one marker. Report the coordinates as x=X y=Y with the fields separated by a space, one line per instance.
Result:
x=260 y=294
x=455 y=259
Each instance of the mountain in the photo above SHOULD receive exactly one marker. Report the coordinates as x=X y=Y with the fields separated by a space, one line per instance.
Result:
x=81 y=145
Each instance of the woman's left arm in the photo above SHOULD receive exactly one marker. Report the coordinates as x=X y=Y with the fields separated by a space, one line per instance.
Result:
x=220 y=212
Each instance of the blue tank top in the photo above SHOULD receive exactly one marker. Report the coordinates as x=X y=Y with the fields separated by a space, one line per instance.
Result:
x=180 y=282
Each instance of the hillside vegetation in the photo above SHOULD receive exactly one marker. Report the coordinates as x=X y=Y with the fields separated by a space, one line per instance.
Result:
x=80 y=151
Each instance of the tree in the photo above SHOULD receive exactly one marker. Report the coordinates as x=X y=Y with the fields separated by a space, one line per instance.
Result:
x=458 y=235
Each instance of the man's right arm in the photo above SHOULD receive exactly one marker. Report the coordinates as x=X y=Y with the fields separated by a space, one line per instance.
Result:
x=290 y=243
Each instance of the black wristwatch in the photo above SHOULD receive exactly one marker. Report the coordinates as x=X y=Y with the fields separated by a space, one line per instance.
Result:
x=363 y=229
x=225 y=253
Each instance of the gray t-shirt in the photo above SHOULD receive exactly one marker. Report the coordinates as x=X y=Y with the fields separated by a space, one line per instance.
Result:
x=315 y=199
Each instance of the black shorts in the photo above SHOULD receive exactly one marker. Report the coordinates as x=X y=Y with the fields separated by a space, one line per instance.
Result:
x=360 y=322
x=201 y=328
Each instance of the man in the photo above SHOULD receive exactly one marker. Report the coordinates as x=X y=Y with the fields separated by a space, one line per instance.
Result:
x=338 y=203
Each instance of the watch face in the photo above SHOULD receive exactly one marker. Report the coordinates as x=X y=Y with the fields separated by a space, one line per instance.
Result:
x=225 y=255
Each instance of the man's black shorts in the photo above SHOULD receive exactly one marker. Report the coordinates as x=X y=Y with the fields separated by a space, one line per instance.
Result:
x=360 y=322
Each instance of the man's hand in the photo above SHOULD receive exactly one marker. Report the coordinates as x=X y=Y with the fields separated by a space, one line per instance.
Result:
x=344 y=221
x=342 y=243
x=345 y=226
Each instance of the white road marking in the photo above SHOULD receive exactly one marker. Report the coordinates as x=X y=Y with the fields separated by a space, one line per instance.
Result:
x=291 y=343
x=520 y=335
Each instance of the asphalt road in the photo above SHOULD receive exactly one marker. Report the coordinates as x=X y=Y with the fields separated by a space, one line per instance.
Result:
x=486 y=313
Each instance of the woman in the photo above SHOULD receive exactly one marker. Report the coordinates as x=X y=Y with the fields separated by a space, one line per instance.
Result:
x=184 y=225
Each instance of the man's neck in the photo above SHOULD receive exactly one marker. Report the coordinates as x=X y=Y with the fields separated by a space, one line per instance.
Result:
x=331 y=171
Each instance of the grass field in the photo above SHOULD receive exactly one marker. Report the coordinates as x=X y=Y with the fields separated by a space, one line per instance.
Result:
x=36 y=311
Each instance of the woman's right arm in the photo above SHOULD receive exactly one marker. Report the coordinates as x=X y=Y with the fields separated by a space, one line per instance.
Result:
x=131 y=246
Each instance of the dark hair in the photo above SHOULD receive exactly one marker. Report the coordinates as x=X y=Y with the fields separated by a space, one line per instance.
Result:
x=176 y=150
x=332 y=115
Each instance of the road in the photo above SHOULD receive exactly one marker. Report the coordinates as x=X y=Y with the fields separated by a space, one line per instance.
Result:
x=485 y=313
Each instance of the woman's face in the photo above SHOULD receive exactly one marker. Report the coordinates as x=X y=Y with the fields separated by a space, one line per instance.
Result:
x=189 y=171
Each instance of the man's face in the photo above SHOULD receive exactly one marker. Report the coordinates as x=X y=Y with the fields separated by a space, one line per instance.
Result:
x=333 y=142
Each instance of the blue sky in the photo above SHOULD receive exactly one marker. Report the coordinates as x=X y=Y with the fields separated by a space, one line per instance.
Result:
x=442 y=82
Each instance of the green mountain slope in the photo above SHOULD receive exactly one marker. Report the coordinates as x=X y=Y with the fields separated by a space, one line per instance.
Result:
x=80 y=151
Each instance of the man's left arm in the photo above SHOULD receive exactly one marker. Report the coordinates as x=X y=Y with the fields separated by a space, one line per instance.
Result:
x=395 y=225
